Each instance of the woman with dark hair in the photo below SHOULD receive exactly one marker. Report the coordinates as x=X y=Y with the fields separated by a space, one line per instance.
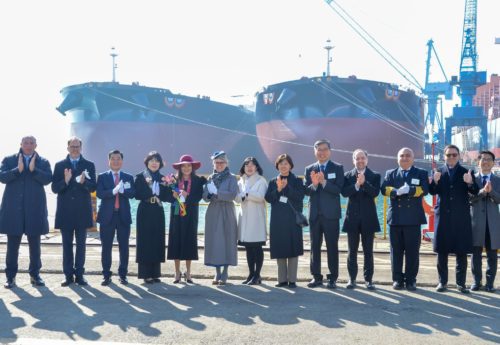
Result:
x=285 y=193
x=183 y=228
x=150 y=190
x=252 y=217
x=221 y=229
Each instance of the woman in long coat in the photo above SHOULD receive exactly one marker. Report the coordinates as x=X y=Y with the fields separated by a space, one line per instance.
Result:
x=151 y=191
x=285 y=235
x=221 y=229
x=183 y=229
x=252 y=232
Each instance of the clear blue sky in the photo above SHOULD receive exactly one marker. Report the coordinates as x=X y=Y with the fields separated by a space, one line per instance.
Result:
x=217 y=48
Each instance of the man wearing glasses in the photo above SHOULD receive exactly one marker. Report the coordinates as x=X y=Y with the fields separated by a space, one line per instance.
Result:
x=73 y=181
x=453 y=235
x=405 y=186
x=485 y=222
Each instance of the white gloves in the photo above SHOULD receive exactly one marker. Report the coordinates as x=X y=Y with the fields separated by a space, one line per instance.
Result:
x=405 y=189
x=211 y=188
x=79 y=177
x=155 y=187
x=118 y=188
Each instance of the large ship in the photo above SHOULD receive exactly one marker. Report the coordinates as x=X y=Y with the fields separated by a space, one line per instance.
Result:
x=137 y=119
x=352 y=113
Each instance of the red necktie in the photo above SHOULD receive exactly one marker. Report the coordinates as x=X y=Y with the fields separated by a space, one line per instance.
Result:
x=117 y=200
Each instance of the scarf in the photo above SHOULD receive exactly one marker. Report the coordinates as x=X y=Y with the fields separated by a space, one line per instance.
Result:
x=218 y=177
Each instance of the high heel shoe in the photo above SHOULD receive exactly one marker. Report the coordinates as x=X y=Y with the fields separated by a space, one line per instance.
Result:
x=256 y=280
x=188 y=280
x=177 y=279
x=248 y=280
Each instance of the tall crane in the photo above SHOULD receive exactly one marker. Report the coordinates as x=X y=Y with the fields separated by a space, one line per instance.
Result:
x=466 y=114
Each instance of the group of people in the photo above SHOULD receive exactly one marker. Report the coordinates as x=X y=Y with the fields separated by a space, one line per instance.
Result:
x=467 y=215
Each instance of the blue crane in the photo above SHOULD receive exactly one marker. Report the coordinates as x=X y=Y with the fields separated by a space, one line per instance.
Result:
x=466 y=114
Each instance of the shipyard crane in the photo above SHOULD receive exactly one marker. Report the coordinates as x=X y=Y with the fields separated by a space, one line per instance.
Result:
x=466 y=114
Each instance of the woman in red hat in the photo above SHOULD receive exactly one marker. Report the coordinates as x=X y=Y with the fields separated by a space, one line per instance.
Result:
x=183 y=229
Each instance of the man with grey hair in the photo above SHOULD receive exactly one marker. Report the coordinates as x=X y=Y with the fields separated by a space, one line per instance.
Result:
x=361 y=186
x=24 y=207
x=405 y=186
x=324 y=182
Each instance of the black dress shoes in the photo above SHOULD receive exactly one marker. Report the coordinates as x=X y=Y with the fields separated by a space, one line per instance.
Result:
x=476 y=286
x=37 y=281
x=156 y=280
x=370 y=286
x=489 y=288
x=351 y=284
x=67 y=282
x=106 y=281
x=283 y=284
x=397 y=286
x=292 y=285
x=123 y=280
x=81 y=281
x=441 y=287
x=411 y=286
x=9 y=284
x=315 y=283
x=331 y=284
x=462 y=289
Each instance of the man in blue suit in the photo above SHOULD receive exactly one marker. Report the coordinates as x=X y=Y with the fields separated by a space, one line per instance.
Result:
x=405 y=186
x=73 y=182
x=324 y=182
x=24 y=207
x=361 y=186
x=114 y=188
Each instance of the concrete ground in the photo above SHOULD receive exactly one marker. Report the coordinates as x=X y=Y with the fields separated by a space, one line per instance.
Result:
x=167 y=313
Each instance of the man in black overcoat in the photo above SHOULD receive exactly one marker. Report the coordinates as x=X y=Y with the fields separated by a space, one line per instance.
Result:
x=24 y=207
x=73 y=181
x=324 y=182
x=361 y=186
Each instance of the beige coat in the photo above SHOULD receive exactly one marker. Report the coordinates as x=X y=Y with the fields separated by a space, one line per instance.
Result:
x=252 y=213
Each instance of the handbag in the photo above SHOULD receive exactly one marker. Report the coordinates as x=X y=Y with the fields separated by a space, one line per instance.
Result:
x=300 y=219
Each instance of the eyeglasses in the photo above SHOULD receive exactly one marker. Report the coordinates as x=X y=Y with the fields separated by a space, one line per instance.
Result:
x=74 y=147
x=451 y=155
x=487 y=159
x=220 y=163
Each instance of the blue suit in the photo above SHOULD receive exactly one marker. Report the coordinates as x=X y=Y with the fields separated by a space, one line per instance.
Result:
x=324 y=217
x=74 y=212
x=113 y=220
x=405 y=215
x=24 y=210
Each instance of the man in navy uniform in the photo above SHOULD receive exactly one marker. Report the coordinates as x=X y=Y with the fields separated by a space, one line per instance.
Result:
x=114 y=187
x=361 y=186
x=24 y=207
x=453 y=235
x=485 y=222
x=405 y=186
x=324 y=182
x=73 y=182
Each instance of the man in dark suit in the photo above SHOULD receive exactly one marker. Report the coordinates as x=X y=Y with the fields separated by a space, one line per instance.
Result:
x=361 y=186
x=115 y=187
x=485 y=222
x=73 y=182
x=453 y=235
x=24 y=207
x=405 y=186
x=324 y=182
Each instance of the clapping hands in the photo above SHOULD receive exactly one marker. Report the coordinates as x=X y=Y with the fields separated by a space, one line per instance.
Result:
x=405 y=189
x=468 y=177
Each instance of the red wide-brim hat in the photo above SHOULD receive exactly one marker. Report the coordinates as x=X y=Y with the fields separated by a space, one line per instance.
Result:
x=187 y=159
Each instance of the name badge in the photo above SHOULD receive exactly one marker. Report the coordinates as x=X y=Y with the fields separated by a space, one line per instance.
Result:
x=182 y=198
x=332 y=175
x=415 y=181
x=283 y=199
x=126 y=185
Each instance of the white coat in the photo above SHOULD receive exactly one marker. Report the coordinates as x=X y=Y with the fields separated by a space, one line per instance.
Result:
x=252 y=213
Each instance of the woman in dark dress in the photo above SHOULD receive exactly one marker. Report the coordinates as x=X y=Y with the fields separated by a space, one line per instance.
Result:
x=285 y=236
x=150 y=218
x=183 y=229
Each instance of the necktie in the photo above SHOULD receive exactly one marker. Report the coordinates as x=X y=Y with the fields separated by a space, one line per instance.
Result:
x=27 y=161
x=73 y=164
x=322 y=168
x=117 y=200
x=485 y=180
x=405 y=173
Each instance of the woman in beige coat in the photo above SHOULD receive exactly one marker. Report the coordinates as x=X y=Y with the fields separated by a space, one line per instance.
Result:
x=252 y=217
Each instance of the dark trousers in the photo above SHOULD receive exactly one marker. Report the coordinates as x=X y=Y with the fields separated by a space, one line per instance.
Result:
x=13 y=244
x=255 y=260
x=74 y=264
x=107 y=235
x=460 y=268
x=352 y=256
x=492 y=262
x=405 y=243
x=330 y=229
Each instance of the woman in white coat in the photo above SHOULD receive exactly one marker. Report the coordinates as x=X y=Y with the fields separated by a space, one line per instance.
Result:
x=252 y=217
